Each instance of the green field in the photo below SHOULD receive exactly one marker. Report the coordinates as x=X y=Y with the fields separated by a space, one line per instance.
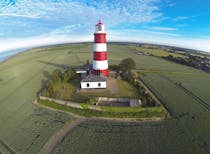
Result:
x=26 y=127
x=156 y=52
x=119 y=137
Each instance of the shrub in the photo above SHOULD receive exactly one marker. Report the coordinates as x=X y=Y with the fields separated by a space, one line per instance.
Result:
x=92 y=100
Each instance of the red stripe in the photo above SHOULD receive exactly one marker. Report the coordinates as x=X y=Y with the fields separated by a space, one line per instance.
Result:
x=100 y=56
x=104 y=72
x=100 y=37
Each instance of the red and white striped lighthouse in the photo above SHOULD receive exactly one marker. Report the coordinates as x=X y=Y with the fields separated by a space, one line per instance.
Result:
x=100 y=62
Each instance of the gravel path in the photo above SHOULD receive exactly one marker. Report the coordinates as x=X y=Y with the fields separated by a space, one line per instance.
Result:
x=113 y=86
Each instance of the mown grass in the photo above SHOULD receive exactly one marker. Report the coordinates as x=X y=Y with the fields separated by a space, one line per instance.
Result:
x=66 y=90
x=126 y=90
x=134 y=109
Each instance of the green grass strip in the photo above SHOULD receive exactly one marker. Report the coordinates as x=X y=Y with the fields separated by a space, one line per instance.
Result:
x=114 y=112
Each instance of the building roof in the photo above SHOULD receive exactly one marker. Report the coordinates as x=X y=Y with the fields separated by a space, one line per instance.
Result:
x=93 y=78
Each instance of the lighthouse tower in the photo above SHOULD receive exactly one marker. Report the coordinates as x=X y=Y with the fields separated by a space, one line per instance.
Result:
x=100 y=62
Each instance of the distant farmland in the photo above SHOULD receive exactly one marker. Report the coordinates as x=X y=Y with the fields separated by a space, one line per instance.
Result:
x=26 y=128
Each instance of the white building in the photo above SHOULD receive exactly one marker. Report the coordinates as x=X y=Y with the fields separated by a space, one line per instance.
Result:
x=93 y=81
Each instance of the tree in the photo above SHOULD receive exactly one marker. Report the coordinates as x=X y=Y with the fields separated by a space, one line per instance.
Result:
x=170 y=57
x=149 y=100
x=68 y=75
x=130 y=76
x=50 y=88
x=127 y=64
x=57 y=75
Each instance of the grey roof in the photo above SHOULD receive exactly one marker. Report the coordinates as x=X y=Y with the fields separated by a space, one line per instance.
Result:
x=93 y=78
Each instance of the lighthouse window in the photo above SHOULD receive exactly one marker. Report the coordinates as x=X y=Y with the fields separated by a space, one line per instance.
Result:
x=99 y=84
x=88 y=85
x=99 y=27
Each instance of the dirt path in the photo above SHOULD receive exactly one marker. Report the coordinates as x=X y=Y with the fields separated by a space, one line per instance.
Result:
x=112 y=85
x=57 y=138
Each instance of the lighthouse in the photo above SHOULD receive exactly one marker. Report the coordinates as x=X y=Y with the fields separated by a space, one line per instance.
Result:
x=100 y=62
x=97 y=80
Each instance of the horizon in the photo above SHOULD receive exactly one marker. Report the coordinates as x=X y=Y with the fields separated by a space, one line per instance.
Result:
x=162 y=22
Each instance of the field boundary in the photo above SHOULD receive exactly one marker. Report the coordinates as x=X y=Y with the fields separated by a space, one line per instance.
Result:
x=188 y=92
x=67 y=109
x=149 y=87
x=86 y=110
x=7 y=147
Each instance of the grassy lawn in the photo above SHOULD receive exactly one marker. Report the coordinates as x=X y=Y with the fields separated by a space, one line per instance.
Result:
x=67 y=91
x=126 y=90
x=134 y=109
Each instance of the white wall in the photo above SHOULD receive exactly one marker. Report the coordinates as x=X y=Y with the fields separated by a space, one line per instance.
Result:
x=93 y=85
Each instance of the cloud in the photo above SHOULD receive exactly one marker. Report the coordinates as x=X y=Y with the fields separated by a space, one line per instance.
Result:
x=11 y=44
x=122 y=35
x=17 y=15
x=134 y=11
x=35 y=23
x=180 y=18
x=141 y=34
x=69 y=29
x=169 y=3
x=23 y=18
x=160 y=38
x=164 y=28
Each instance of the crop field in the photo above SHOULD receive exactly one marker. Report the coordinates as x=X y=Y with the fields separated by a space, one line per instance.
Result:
x=156 y=52
x=26 y=128
x=120 y=137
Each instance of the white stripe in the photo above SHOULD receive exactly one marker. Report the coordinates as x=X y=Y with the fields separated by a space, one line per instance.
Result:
x=100 y=64
x=98 y=47
x=100 y=32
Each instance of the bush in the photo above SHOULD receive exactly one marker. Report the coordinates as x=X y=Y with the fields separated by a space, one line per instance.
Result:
x=56 y=75
x=69 y=75
x=92 y=100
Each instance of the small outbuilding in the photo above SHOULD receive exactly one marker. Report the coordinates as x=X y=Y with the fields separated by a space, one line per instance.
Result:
x=135 y=102
x=93 y=81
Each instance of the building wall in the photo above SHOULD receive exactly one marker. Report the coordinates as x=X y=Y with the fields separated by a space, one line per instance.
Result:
x=93 y=85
